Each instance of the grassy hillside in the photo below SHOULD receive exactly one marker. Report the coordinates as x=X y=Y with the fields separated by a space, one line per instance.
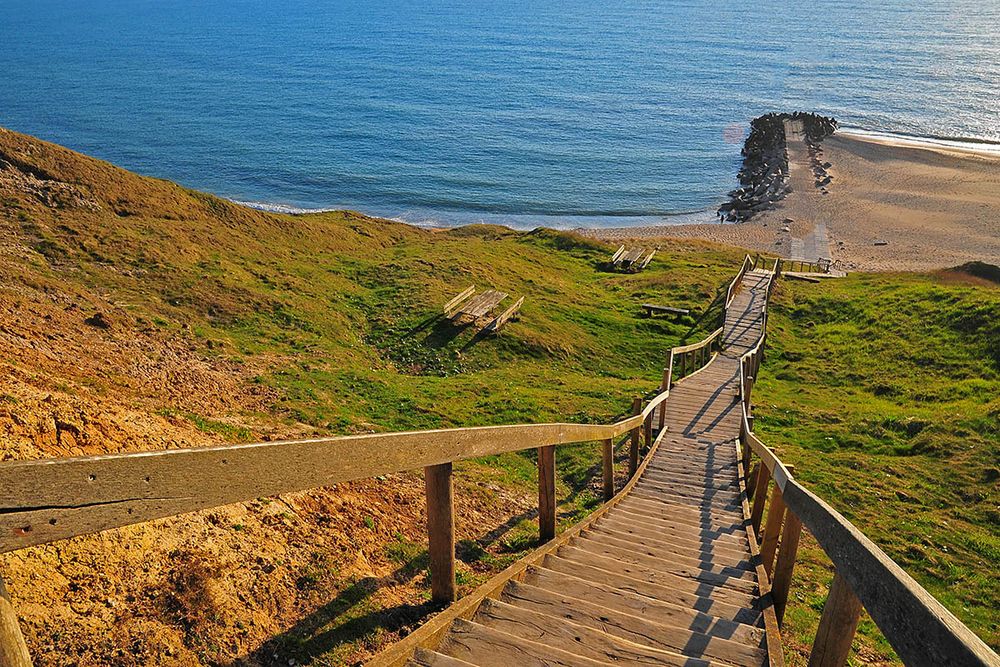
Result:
x=884 y=391
x=139 y=315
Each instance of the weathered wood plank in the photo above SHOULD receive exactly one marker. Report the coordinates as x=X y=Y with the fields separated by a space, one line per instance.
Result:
x=577 y=639
x=452 y=306
x=544 y=586
x=13 y=650
x=837 y=626
x=441 y=531
x=53 y=499
x=546 y=493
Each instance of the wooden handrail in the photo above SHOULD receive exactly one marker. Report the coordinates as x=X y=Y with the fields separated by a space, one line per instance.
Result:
x=53 y=499
x=734 y=285
x=920 y=629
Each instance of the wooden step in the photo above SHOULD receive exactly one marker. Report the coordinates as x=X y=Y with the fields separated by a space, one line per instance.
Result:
x=635 y=565
x=680 y=556
x=689 y=549
x=629 y=616
x=659 y=509
x=611 y=522
x=425 y=658
x=709 y=571
x=578 y=639
x=668 y=526
x=488 y=647
x=697 y=600
x=691 y=521
x=729 y=591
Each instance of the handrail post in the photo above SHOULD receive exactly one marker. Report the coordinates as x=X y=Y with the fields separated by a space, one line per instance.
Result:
x=608 y=461
x=648 y=431
x=441 y=531
x=751 y=481
x=837 y=626
x=13 y=650
x=633 y=446
x=663 y=404
x=775 y=514
x=546 y=493
x=759 y=498
x=786 y=563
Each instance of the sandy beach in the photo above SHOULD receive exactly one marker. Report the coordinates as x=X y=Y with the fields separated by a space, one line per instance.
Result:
x=889 y=206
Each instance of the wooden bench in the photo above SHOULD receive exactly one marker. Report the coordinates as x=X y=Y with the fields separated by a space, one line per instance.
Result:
x=507 y=315
x=652 y=308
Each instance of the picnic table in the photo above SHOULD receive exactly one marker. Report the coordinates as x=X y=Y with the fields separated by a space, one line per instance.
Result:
x=469 y=306
x=631 y=259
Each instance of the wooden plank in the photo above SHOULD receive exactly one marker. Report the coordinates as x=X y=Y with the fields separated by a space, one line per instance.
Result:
x=691 y=552
x=775 y=515
x=608 y=467
x=696 y=599
x=837 y=626
x=775 y=654
x=618 y=254
x=452 y=306
x=649 y=258
x=478 y=306
x=424 y=658
x=633 y=447
x=556 y=589
x=718 y=573
x=13 y=650
x=677 y=638
x=546 y=493
x=46 y=500
x=653 y=308
x=441 y=531
x=760 y=496
x=487 y=647
x=786 y=563
x=577 y=639
x=703 y=586
x=506 y=316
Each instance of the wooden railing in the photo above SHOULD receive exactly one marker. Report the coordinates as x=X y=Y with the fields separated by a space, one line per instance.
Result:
x=46 y=500
x=918 y=627
x=803 y=266
x=734 y=285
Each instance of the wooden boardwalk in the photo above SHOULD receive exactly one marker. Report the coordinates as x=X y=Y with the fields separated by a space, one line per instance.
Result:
x=669 y=575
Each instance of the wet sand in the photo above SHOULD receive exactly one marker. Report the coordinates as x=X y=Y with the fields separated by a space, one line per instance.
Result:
x=932 y=206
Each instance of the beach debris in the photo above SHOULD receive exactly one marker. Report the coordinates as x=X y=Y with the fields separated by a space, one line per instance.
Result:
x=881 y=242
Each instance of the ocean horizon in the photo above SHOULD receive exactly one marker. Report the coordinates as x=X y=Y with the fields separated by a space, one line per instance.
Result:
x=450 y=112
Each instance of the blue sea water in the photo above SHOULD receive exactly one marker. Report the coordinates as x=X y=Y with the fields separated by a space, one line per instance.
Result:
x=525 y=112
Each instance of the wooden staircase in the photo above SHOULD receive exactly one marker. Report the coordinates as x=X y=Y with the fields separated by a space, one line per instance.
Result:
x=669 y=575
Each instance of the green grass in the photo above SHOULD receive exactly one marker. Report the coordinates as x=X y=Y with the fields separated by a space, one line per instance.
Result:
x=884 y=392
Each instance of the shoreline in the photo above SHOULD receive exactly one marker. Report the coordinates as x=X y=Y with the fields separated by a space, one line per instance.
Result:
x=888 y=205
x=643 y=224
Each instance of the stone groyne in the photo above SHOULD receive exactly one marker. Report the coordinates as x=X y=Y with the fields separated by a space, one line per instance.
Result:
x=764 y=174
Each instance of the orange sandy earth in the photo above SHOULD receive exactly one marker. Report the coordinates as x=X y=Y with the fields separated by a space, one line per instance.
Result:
x=936 y=207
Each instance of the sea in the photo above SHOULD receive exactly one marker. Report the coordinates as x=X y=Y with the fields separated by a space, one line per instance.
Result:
x=563 y=113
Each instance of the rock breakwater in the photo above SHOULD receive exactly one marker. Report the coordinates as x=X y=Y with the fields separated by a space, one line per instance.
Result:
x=763 y=176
